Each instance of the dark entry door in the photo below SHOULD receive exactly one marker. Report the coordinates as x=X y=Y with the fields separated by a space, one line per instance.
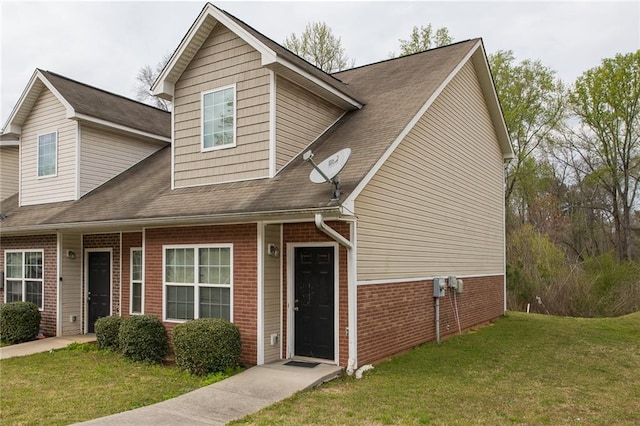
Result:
x=314 y=302
x=99 y=293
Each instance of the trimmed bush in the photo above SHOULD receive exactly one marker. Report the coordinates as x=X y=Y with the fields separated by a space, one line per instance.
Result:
x=19 y=322
x=143 y=338
x=107 y=332
x=206 y=345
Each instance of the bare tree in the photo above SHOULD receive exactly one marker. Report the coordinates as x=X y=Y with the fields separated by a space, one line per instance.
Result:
x=606 y=101
x=145 y=78
x=319 y=46
x=423 y=38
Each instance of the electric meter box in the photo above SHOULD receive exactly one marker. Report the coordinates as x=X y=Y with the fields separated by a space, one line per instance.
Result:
x=439 y=286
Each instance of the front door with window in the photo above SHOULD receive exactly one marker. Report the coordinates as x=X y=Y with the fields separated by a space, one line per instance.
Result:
x=99 y=287
x=314 y=302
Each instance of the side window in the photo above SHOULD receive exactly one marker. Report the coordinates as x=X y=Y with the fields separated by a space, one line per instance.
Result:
x=47 y=154
x=219 y=118
x=137 y=285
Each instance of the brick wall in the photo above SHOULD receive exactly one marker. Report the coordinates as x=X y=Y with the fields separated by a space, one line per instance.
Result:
x=245 y=293
x=396 y=317
x=308 y=233
x=129 y=240
x=49 y=244
x=106 y=241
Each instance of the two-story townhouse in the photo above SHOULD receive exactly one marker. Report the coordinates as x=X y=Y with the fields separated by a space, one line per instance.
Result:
x=224 y=221
x=63 y=140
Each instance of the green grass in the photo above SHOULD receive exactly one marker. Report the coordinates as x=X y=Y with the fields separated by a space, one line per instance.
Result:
x=81 y=383
x=523 y=369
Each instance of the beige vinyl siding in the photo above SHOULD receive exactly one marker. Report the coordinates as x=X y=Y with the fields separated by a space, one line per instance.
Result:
x=435 y=206
x=48 y=115
x=8 y=171
x=300 y=118
x=272 y=296
x=71 y=285
x=223 y=60
x=105 y=154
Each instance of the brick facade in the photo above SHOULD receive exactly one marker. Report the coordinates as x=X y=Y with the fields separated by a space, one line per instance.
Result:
x=396 y=317
x=48 y=243
x=308 y=233
x=245 y=271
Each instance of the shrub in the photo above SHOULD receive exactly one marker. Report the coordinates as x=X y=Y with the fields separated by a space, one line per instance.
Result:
x=143 y=338
x=107 y=331
x=19 y=322
x=206 y=345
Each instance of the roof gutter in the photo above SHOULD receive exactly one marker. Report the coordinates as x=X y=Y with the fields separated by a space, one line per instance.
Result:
x=168 y=221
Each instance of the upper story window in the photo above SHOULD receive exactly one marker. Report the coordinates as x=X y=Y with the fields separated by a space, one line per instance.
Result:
x=47 y=154
x=24 y=280
x=219 y=118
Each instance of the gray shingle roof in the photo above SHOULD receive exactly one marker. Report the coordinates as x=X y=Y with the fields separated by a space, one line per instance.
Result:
x=393 y=92
x=107 y=106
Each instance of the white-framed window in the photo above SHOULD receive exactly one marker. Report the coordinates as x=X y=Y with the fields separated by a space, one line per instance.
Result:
x=198 y=281
x=24 y=276
x=137 y=284
x=48 y=154
x=219 y=118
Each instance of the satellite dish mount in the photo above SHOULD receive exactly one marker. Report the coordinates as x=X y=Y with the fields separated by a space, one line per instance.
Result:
x=327 y=171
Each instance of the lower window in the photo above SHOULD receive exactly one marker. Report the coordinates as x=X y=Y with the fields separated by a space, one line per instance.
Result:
x=198 y=282
x=24 y=276
x=136 y=281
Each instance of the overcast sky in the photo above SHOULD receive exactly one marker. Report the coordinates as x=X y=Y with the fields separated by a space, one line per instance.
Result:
x=105 y=43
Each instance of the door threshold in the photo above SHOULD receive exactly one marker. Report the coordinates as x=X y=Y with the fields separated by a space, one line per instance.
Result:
x=311 y=359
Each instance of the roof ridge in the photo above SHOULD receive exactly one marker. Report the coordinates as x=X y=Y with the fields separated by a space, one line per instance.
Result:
x=101 y=90
x=409 y=55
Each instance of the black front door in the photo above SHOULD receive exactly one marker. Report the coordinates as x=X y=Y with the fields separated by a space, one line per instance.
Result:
x=314 y=302
x=99 y=293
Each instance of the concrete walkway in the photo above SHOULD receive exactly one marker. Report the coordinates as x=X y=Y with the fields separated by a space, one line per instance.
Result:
x=43 y=345
x=216 y=404
x=230 y=399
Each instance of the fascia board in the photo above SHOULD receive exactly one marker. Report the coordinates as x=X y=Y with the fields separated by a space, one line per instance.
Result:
x=12 y=128
x=67 y=106
x=350 y=200
x=481 y=63
x=127 y=129
x=178 y=221
x=348 y=99
x=268 y=55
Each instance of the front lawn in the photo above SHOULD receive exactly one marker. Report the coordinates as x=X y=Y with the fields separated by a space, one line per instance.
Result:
x=524 y=369
x=81 y=383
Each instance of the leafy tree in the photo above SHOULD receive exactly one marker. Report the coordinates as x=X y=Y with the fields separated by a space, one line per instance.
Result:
x=606 y=100
x=145 y=78
x=319 y=46
x=533 y=104
x=424 y=38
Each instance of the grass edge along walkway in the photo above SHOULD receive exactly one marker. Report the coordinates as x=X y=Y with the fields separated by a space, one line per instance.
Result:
x=523 y=369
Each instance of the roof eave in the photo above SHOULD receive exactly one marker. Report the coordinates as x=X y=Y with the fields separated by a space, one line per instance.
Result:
x=481 y=63
x=224 y=218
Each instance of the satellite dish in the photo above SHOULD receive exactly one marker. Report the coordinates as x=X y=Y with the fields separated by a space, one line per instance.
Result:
x=330 y=167
x=328 y=170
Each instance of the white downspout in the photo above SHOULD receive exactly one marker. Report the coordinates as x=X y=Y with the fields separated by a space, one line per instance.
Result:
x=352 y=363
